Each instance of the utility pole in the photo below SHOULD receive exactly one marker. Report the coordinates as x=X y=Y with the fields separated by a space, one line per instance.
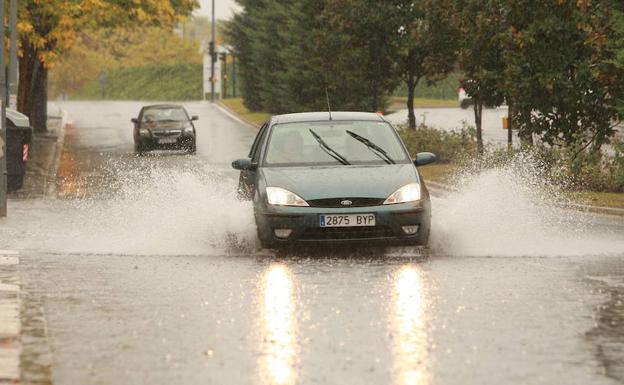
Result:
x=3 y=146
x=13 y=55
x=213 y=53
x=233 y=75
x=225 y=75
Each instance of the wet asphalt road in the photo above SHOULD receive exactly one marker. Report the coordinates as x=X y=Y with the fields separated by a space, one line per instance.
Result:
x=147 y=271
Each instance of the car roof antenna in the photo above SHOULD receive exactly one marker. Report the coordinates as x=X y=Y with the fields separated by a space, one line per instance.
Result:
x=328 y=105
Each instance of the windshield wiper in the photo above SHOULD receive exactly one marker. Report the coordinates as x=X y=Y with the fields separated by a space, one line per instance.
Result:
x=380 y=152
x=330 y=151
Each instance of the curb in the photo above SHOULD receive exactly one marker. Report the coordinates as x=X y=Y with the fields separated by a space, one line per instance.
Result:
x=10 y=324
x=235 y=116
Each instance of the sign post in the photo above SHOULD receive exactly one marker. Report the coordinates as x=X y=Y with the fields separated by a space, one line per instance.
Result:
x=3 y=146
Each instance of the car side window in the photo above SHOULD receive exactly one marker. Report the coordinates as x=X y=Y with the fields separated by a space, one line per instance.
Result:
x=254 y=153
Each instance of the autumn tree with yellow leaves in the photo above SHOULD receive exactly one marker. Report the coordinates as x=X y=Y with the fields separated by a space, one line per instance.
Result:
x=49 y=28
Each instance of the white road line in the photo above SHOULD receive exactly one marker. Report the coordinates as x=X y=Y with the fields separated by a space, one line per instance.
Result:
x=8 y=261
x=10 y=324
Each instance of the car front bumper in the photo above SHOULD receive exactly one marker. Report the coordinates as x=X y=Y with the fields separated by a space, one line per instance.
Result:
x=305 y=224
x=181 y=141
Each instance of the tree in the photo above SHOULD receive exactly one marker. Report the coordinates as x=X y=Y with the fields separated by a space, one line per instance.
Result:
x=49 y=28
x=357 y=46
x=425 y=44
x=568 y=82
x=240 y=33
x=481 y=26
x=292 y=51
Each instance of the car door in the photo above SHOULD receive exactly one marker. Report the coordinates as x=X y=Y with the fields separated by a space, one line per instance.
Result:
x=247 y=180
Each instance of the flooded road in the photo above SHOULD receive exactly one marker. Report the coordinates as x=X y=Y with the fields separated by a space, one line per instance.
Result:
x=147 y=270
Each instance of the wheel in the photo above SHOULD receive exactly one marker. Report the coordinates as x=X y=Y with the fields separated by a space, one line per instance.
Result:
x=140 y=150
x=192 y=149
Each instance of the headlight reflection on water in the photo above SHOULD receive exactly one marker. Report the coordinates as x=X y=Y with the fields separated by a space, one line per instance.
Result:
x=408 y=323
x=278 y=335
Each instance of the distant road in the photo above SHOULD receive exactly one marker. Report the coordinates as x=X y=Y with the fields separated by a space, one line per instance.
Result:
x=454 y=118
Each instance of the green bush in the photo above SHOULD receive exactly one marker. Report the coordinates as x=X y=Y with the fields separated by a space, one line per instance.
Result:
x=449 y=146
x=154 y=82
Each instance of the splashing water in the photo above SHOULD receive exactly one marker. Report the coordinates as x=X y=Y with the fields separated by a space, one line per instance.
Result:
x=156 y=211
x=513 y=210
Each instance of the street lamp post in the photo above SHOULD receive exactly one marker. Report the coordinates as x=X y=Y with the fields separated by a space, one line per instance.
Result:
x=13 y=55
x=3 y=146
x=213 y=54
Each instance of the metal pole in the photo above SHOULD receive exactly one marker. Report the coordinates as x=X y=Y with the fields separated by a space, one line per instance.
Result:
x=13 y=55
x=233 y=75
x=213 y=54
x=224 y=76
x=3 y=146
x=509 y=128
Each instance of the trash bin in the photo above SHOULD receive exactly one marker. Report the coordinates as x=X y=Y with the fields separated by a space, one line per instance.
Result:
x=18 y=152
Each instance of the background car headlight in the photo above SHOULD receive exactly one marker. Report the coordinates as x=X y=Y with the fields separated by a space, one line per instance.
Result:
x=281 y=197
x=144 y=132
x=408 y=193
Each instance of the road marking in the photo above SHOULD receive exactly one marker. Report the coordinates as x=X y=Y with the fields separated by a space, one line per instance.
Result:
x=10 y=323
x=8 y=261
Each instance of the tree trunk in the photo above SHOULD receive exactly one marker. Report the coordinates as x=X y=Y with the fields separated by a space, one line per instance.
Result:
x=32 y=94
x=411 y=117
x=478 y=111
x=509 y=127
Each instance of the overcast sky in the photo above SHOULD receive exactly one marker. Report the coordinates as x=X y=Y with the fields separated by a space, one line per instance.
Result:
x=224 y=8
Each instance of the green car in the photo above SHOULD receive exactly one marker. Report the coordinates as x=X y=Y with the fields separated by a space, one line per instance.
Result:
x=340 y=177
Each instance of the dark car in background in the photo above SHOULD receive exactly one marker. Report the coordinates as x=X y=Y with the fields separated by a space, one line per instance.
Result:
x=344 y=177
x=164 y=127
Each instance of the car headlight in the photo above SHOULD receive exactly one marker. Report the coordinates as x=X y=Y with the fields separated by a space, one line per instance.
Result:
x=188 y=129
x=408 y=193
x=281 y=197
x=144 y=132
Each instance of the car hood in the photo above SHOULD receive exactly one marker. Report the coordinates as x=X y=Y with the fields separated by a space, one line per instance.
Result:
x=341 y=182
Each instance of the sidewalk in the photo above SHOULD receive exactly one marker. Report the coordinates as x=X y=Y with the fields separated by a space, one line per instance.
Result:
x=40 y=181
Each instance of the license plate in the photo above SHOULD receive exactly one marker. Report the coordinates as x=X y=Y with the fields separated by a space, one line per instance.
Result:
x=167 y=140
x=347 y=220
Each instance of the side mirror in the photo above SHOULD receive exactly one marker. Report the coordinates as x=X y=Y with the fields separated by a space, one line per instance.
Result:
x=194 y=117
x=423 y=158
x=134 y=120
x=243 y=164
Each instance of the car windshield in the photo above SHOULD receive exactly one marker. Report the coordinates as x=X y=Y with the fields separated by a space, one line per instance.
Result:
x=334 y=142
x=164 y=114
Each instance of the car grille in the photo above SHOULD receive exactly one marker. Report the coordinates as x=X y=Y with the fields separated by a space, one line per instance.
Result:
x=344 y=233
x=166 y=133
x=337 y=202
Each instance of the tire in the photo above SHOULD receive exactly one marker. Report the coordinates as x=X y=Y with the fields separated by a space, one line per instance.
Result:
x=192 y=149
x=140 y=150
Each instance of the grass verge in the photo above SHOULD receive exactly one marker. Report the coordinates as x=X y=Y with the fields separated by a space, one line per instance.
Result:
x=237 y=107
